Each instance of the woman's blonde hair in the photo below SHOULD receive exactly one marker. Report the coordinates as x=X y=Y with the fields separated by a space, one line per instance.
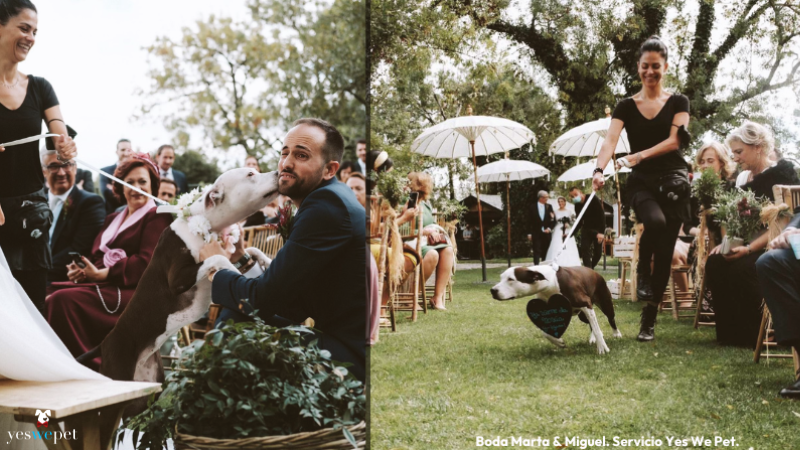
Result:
x=754 y=134
x=421 y=181
x=727 y=166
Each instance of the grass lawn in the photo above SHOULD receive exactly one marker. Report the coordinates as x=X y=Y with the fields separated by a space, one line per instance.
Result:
x=481 y=368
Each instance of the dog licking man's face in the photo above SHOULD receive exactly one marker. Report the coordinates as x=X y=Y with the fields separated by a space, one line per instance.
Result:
x=518 y=282
x=237 y=194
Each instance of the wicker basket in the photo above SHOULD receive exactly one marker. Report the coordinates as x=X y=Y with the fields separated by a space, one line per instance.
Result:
x=327 y=438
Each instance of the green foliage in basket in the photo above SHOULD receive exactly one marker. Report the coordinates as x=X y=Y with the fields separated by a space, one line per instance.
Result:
x=253 y=380
x=739 y=211
x=707 y=188
x=392 y=186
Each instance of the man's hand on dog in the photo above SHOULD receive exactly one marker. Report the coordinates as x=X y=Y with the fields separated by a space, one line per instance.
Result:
x=213 y=249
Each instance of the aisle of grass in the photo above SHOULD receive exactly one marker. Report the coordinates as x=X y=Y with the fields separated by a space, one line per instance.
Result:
x=481 y=368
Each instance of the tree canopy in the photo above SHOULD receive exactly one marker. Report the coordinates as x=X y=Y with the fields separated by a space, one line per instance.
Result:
x=242 y=83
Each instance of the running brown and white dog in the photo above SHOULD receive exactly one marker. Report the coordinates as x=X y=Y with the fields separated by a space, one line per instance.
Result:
x=583 y=287
x=173 y=292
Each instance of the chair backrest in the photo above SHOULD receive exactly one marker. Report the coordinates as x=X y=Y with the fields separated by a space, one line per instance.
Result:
x=787 y=194
x=265 y=238
x=375 y=219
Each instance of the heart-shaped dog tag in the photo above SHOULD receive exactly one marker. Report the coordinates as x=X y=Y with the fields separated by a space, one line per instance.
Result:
x=552 y=316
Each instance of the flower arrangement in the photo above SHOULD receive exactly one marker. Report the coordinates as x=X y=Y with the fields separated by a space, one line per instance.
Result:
x=739 y=211
x=707 y=188
x=250 y=380
x=450 y=210
x=392 y=186
x=566 y=223
x=285 y=220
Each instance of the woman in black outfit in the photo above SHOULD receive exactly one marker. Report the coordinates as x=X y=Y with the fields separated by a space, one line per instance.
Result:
x=25 y=100
x=658 y=186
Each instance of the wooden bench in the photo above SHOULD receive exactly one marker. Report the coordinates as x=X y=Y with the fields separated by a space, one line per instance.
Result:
x=92 y=408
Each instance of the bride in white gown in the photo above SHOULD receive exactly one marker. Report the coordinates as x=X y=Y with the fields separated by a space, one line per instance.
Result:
x=570 y=256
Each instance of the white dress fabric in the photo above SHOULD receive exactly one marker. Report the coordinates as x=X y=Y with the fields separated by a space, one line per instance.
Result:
x=570 y=256
x=30 y=350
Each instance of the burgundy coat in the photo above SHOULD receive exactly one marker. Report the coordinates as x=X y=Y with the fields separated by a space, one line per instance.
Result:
x=76 y=312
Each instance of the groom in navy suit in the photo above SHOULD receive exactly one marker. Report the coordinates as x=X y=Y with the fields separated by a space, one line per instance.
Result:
x=321 y=270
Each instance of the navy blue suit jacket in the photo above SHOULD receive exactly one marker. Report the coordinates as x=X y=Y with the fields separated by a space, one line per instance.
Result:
x=320 y=273
x=108 y=195
x=180 y=179
x=77 y=226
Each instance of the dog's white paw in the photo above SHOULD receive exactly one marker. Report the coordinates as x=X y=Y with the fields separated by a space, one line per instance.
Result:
x=217 y=263
x=617 y=334
x=602 y=348
x=558 y=342
x=592 y=338
x=263 y=260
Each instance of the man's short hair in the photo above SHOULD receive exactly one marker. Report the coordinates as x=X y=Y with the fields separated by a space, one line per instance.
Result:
x=333 y=148
x=361 y=141
x=573 y=187
x=169 y=181
x=358 y=175
x=123 y=140
x=160 y=149
x=542 y=194
x=44 y=153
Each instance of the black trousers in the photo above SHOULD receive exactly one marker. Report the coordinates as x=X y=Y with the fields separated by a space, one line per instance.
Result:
x=736 y=298
x=779 y=277
x=34 y=283
x=541 y=243
x=657 y=243
x=591 y=250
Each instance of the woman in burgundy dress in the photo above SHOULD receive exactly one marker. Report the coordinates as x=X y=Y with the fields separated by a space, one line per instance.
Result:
x=85 y=309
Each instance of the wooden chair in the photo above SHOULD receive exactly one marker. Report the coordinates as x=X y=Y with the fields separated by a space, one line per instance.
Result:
x=675 y=299
x=265 y=238
x=703 y=319
x=410 y=293
x=448 y=293
x=626 y=250
x=790 y=195
x=379 y=229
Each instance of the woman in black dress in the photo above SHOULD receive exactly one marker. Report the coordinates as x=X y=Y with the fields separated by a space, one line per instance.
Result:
x=658 y=186
x=25 y=100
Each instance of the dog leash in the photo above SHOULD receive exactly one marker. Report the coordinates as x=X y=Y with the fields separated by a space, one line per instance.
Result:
x=83 y=163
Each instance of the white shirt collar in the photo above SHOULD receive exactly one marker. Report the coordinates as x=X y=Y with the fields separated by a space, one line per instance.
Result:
x=363 y=166
x=168 y=174
x=62 y=197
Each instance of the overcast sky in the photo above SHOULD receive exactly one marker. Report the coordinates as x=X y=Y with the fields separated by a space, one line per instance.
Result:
x=92 y=53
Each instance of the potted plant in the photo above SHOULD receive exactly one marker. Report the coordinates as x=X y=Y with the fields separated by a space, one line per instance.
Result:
x=739 y=213
x=254 y=386
x=707 y=188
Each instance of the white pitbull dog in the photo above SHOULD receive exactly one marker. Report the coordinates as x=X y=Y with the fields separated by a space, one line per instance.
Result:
x=583 y=287
x=172 y=293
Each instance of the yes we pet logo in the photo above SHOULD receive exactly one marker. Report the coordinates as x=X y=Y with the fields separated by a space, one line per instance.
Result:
x=44 y=418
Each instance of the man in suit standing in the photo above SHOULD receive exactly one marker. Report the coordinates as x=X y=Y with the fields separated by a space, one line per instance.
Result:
x=78 y=215
x=593 y=224
x=83 y=180
x=544 y=220
x=361 y=153
x=321 y=270
x=165 y=157
x=779 y=276
x=124 y=151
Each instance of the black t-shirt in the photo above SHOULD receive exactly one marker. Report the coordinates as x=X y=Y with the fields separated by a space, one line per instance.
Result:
x=644 y=134
x=20 y=166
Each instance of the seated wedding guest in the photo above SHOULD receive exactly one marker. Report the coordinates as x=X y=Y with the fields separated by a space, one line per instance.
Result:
x=85 y=309
x=124 y=152
x=252 y=163
x=358 y=184
x=779 y=276
x=437 y=252
x=320 y=272
x=77 y=215
x=167 y=190
x=345 y=170
x=732 y=278
x=165 y=157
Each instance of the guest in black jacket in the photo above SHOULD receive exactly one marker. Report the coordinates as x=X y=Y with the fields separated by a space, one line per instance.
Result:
x=779 y=276
x=78 y=215
x=593 y=224
x=124 y=151
x=732 y=278
x=544 y=220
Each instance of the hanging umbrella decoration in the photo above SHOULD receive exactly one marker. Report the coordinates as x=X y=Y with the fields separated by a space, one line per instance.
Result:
x=585 y=171
x=509 y=170
x=469 y=135
x=586 y=140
